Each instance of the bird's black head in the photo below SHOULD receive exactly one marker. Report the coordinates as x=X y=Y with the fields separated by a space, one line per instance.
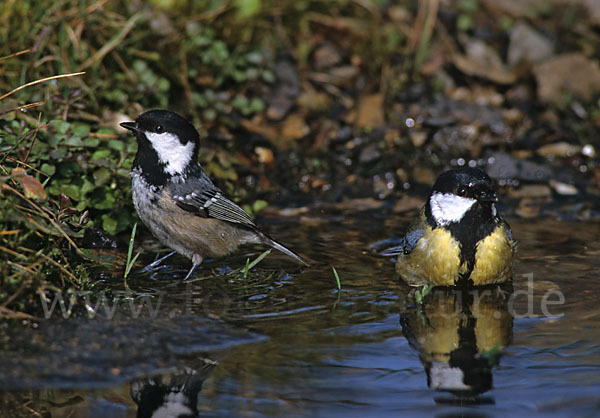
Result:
x=167 y=144
x=471 y=183
x=463 y=202
x=459 y=192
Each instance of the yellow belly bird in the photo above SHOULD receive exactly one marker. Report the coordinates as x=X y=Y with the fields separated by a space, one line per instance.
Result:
x=458 y=237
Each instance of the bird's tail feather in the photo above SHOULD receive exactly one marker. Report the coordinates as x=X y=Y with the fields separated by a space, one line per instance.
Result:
x=271 y=242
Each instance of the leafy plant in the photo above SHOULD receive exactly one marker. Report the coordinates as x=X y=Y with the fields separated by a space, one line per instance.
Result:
x=422 y=292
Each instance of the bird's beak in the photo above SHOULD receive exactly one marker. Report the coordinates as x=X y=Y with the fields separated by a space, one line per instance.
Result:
x=487 y=196
x=132 y=126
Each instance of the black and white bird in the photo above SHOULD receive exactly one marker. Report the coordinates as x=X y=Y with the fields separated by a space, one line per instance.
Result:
x=176 y=199
x=458 y=237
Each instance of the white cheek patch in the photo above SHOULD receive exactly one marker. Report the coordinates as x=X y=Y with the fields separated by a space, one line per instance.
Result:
x=447 y=208
x=171 y=152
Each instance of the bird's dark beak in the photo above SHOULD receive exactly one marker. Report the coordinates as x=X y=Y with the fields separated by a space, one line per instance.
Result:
x=132 y=126
x=487 y=196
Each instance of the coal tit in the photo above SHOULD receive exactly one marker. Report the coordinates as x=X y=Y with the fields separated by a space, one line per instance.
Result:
x=458 y=236
x=176 y=199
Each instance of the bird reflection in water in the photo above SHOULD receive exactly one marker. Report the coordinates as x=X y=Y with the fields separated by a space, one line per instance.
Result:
x=459 y=334
x=171 y=395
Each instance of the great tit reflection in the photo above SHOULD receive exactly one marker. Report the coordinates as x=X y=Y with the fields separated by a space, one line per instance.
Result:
x=460 y=335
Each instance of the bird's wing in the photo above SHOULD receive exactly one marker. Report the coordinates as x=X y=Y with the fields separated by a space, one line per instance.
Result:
x=407 y=244
x=204 y=199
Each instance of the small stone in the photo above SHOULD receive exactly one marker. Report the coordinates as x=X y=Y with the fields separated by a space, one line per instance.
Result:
x=571 y=73
x=559 y=149
x=326 y=56
x=370 y=111
x=530 y=190
x=563 y=188
x=527 y=45
x=418 y=138
x=265 y=155
x=369 y=154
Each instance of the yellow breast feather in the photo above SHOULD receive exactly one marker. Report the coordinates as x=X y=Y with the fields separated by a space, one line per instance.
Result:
x=493 y=259
x=435 y=260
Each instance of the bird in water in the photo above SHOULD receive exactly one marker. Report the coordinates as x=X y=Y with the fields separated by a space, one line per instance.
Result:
x=458 y=237
x=177 y=200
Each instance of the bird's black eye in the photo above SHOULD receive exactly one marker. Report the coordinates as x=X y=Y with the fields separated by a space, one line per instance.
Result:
x=159 y=129
x=462 y=191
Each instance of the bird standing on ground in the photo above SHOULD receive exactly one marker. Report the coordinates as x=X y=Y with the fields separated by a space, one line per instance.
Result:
x=176 y=199
x=458 y=236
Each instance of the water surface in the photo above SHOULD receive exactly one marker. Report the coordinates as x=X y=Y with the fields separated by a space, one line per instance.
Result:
x=286 y=342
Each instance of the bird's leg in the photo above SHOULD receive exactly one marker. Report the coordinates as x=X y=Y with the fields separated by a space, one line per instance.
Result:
x=196 y=261
x=154 y=264
x=187 y=276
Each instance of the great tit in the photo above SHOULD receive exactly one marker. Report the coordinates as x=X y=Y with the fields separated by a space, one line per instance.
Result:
x=458 y=237
x=176 y=199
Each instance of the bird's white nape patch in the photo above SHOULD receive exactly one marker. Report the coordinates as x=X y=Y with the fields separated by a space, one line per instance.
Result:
x=171 y=152
x=447 y=208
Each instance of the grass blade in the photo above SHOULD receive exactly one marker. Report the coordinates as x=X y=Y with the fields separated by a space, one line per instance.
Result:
x=259 y=259
x=337 y=278
x=130 y=262
x=246 y=268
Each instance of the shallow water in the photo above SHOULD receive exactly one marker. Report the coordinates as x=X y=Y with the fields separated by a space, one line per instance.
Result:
x=291 y=344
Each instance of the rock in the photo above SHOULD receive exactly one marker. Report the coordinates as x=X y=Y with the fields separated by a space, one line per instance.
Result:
x=294 y=127
x=589 y=151
x=424 y=175
x=530 y=207
x=563 y=188
x=326 y=55
x=283 y=94
x=503 y=166
x=369 y=154
x=344 y=75
x=483 y=61
x=370 y=111
x=527 y=45
x=559 y=149
x=530 y=191
x=313 y=100
x=265 y=155
x=518 y=8
x=418 y=138
x=593 y=10
x=571 y=74
x=96 y=238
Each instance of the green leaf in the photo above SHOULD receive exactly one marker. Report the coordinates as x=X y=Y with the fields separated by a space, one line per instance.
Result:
x=257 y=105
x=101 y=176
x=268 y=76
x=101 y=153
x=80 y=129
x=116 y=145
x=87 y=186
x=109 y=224
x=71 y=190
x=104 y=199
x=48 y=169
x=61 y=126
x=91 y=142
x=74 y=141
x=69 y=169
x=247 y=8
x=259 y=205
